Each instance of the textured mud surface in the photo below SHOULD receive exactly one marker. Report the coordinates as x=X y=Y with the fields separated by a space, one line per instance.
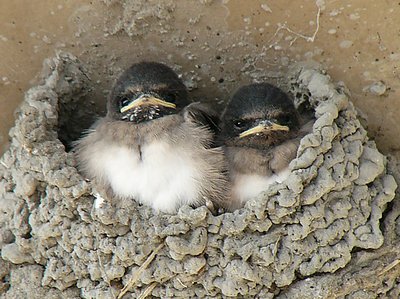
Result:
x=57 y=241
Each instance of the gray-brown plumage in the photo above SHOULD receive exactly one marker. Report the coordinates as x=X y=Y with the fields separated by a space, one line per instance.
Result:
x=153 y=145
x=260 y=133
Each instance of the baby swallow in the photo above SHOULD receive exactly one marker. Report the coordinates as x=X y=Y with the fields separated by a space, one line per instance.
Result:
x=260 y=133
x=153 y=145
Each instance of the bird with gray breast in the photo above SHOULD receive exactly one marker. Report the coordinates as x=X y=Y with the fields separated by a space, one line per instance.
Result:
x=260 y=133
x=153 y=145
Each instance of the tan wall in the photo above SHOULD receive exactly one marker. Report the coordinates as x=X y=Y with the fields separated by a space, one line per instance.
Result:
x=216 y=45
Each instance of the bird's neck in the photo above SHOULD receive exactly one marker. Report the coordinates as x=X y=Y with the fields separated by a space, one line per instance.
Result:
x=247 y=160
x=128 y=133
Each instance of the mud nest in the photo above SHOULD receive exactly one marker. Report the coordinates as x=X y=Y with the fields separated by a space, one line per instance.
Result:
x=58 y=241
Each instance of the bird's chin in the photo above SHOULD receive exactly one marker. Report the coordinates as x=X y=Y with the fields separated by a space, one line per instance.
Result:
x=145 y=114
x=137 y=119
x=258 y=141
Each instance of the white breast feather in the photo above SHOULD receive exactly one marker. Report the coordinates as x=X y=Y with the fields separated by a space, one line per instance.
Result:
x=248 y=186
x=164 y=178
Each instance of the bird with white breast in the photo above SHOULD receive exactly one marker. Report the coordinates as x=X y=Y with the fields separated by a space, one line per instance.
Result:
x=260 y=133
x=154 y=145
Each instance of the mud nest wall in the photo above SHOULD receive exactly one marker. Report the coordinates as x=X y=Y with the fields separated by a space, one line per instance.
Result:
x=310 y=236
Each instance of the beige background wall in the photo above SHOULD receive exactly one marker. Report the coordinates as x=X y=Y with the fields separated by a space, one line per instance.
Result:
x=216 y=45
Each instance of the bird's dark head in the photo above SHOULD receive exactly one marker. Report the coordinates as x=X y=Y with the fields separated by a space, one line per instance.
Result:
x=258 y=116
x=146 y=91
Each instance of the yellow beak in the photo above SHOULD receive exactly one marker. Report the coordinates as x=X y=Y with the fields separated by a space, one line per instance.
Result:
x=147 y=100
x=263 y=127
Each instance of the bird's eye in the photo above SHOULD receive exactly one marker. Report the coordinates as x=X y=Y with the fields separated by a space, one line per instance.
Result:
x=123 y=102
x=240 y=124
x=170 y=97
